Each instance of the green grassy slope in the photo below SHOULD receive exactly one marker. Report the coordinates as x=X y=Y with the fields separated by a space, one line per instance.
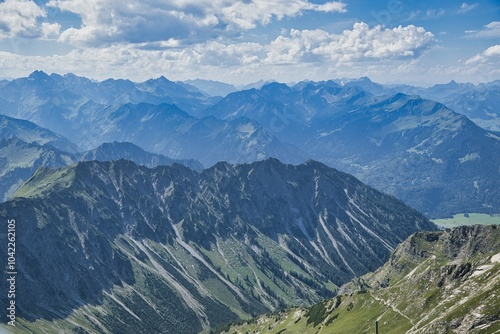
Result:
x=468 y=219
x=435 y=282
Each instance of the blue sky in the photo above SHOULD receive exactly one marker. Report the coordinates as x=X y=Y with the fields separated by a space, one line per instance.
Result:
x=417 y=42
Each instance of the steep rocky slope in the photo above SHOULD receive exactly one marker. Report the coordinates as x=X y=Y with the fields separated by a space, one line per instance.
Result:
x=435 y=282
x=112 y=246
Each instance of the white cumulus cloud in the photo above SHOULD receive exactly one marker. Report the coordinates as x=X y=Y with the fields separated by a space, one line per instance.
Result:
x=50 y=30
x=360 y=43
x=108 y=21
x=329 y=7
x=489 y=53
x=19 y=18
x=295 y=55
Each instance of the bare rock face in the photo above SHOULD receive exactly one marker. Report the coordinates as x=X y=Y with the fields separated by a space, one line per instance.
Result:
x=113 y=246
x=434 y=282
x=443 y=281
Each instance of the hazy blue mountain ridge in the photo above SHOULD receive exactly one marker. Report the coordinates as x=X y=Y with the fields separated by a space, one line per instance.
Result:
x=129 y=151
x=68 y=104
x=67 y=91
x=211 y=87
x=416 y=149
x=19 y=160
x=31 y=133
x=478 y=102
x=24 y=147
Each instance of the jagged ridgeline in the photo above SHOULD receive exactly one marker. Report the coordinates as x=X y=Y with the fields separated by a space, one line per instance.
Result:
x=435 y=282
x=120 y=248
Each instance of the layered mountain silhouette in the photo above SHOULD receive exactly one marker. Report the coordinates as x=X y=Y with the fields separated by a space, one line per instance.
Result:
x=421 y=151
x=120 y=228
x=477 y=102
x=31 y=133
x=25 y=147
x=418 y=150
x=147 y=114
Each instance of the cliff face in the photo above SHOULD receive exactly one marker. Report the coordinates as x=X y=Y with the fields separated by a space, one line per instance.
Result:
x=445 y=281
x=434 y=282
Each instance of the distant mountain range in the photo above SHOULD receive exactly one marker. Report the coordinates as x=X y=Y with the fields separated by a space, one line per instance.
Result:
x=19 y=160
x=435 y=282
x=42 y=92
x=129 y=151
x=31 y=133
x=168 y=130
x=480 y=105
x=113 y=246
x=418 y=150
x=25 y=147
x=68 y=104
x=477 y=102
x=212 y=88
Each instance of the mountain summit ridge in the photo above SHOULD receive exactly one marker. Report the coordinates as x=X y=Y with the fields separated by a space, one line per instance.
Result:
x=227 y=242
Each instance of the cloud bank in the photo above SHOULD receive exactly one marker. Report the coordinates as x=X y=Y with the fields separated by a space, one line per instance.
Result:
x=360 y=43
x=314 y=50
x=20 y=18
x=106 y=22
x=491 y=53
x=230 y=40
